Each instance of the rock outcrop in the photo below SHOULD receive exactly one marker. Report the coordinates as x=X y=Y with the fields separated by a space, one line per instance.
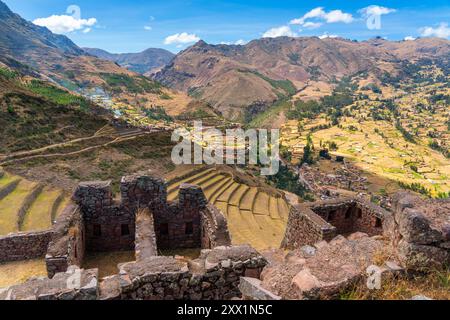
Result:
x=420 y=231
x=323 y=270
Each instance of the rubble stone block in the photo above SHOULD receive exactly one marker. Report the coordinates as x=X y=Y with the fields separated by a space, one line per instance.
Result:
x=251 y=289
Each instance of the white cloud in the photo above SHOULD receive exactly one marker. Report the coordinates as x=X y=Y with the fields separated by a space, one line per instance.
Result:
x=326 y=35
x=65 y=24
x=241 y=42
x=338 y=16
x=312 y=25
x=148 y=28
x=409 y=38
x=87 y=30
x=181 y=38
x=374 y=10
x=284 y=31
x=319 y=13
x=314 y=13
x=442 y=31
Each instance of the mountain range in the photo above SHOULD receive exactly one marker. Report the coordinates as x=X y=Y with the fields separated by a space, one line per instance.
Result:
x=238 y=81
x=143 y=62
x=233 y=78
x=36 y=51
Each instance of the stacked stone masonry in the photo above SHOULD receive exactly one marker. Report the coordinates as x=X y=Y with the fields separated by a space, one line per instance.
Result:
x=67 y=246
x=214 y=275
x=322 y=220
x=144 y=221
x=24 y=246
x=420 y=231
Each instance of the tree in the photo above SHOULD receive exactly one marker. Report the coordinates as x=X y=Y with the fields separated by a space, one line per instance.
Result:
x=308 y=151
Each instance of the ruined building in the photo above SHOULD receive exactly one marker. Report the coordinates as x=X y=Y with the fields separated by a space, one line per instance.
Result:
x=142 y=219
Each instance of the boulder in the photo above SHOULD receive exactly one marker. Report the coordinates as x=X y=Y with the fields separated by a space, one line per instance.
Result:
x=414 y=227
x=251 y=289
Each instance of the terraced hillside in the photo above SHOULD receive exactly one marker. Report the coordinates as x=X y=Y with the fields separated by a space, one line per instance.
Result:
x=254 y=216
x=404 y=139
x=27 y=206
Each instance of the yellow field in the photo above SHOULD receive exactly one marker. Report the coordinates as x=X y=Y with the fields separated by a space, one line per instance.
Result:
x=7 y=178
x=38 y=216
x=17 y=272
x=11 y=204
x=107 y=262
x=254 y=217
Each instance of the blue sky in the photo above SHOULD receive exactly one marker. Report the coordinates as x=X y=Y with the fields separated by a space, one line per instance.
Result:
x=134 y=25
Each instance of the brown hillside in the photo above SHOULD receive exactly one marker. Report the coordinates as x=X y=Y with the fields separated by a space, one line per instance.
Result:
x=255 y=75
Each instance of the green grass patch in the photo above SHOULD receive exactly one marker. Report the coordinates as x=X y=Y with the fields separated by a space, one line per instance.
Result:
x=8 y=74
x=139 y=84
x=286 y=85
x=262 y=118
x=58 y=96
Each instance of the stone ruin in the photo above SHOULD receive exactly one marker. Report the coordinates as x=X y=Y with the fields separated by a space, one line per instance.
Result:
x=310 y=223
x=330 y=245
x=334 y=243
x=419 y=230
x=142 y=220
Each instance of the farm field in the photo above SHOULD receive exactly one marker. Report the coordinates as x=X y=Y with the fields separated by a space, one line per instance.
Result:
x=254 y=216
x=409 y=147
x=28 y=206
x=16 y=272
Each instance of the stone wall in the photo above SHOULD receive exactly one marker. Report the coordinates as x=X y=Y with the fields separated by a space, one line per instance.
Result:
x=304 y=227
x=419 y=230
x=180 y=225
x=139 y=191
x=215 y=231
x=24 y=246
x=215 y=275
x=26 y=204
x=8 y=188
x=109 y=225
x=67 y=246
x=310 y=223
x=351 y=215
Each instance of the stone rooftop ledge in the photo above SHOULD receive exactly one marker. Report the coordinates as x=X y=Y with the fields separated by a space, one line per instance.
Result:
x=233 y=253
x=98 y=184
x=152 y=266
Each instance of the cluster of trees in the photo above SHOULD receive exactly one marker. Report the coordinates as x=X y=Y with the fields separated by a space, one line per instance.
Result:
x=285 y=179
x=417 y=187
x=308 y=151
x=138 y=84
x=332 y=105
x=157 y=113
x=435 y=145
x=8 y=74
x=405 y=133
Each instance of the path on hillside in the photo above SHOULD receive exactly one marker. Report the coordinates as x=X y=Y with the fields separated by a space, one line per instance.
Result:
x=22 y=154
x=120 y=136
